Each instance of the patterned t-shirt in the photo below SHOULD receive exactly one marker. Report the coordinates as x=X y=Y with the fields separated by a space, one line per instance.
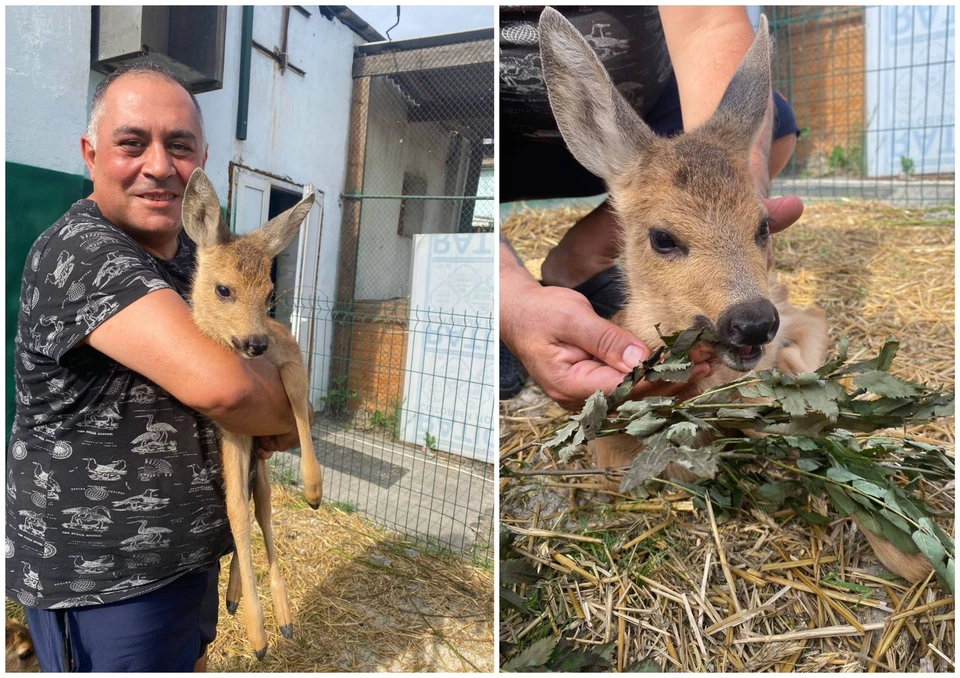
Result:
x=628 y=40
x=113 y=486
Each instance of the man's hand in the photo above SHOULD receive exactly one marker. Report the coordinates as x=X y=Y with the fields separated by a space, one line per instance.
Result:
x=784 y=211
x=570 y=351
x=267 y=445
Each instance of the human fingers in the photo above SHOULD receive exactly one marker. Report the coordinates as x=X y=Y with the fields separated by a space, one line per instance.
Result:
x=783 y=211
x=603 y=340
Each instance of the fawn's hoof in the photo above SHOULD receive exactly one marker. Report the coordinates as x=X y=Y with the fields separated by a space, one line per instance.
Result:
x=232 y=606
x=260 y=654
x=314 y=506
x=287 y=631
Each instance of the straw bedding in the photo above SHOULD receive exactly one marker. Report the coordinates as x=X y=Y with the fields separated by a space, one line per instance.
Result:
x=362 y=598
x=671 y=587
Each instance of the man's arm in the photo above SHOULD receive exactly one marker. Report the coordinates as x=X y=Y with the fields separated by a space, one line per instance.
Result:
x=706 y=45
x=156 y=337
x=569 y=350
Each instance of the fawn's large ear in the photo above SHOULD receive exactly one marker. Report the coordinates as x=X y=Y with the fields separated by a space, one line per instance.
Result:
x=602 y=131
x=739 y=116
x=277 y=233
x=201 y=212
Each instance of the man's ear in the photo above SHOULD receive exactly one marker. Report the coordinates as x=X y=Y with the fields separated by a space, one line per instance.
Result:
x=88 y=153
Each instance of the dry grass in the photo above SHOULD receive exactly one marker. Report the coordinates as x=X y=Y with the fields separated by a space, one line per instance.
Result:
x=666 y=582
x=363 y=599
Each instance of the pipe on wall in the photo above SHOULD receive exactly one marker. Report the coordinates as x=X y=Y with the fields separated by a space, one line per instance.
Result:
x=246 y=50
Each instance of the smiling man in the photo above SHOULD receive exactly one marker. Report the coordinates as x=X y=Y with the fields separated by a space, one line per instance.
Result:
x=115 y=513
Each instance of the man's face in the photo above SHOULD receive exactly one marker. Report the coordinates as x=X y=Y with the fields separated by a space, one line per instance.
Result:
x=148 y=142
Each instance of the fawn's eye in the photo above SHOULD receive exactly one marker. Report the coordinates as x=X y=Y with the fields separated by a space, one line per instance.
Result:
x=763 y=231
x=663 y=242
x=223 y=291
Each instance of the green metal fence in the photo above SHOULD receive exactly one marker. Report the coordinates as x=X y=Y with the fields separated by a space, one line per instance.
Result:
x=400 y=427
x=401 y=361
x=873 y=93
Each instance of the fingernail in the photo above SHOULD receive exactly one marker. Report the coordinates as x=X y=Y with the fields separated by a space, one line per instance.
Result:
x=633 y=355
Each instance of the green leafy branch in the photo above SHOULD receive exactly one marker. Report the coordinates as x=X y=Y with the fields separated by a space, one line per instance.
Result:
x=818 y=436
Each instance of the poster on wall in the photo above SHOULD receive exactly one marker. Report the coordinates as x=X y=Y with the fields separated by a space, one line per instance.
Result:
x=449 y=400
x=909 y=90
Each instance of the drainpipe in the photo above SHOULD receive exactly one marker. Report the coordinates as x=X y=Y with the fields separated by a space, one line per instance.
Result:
x=246 y=50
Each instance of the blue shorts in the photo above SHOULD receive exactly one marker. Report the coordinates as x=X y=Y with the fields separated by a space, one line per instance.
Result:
x=165 y=630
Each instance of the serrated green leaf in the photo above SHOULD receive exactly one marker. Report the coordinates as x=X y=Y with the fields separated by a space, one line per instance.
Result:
x=566 y=453
x=511 y=599
x=739 y=413
x=819 y=399
x=807 y=516
x=842 y=502
x=561 y=436
x=593 y=414
x=682 y=433
x=931 y=548
x=841 y=475
x=673 y=372
x=887 y=385
x=806 y=444
x=882 y=362
x=645 y=426
x=897 y=520
x=893 y=534
x=808 y=465
x=869 y=488
x=535 y=656
x=758 y=390
x=791 y=400
x=868 y=522
x=772 y=493
x=518 y=571
x=649 y=665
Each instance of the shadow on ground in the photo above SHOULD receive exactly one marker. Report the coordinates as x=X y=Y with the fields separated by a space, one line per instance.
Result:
x=363 y=599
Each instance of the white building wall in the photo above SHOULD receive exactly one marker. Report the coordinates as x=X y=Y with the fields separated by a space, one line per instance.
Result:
x=48 y=66
x=395 y=146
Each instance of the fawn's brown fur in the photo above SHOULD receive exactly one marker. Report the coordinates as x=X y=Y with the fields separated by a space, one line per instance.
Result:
x=20 y=655
x=694 y=243
x=231 y=291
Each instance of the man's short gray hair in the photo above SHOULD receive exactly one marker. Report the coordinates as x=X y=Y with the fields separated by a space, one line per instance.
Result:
x=135 y=68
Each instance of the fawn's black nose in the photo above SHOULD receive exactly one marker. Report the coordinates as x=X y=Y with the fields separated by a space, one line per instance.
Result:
x=751 y=323
x=255 y=345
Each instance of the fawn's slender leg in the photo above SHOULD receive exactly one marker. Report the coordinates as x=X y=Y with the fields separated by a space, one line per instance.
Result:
x=294 y=380
x=234 y=590
x=235 y=454
x=278 y=588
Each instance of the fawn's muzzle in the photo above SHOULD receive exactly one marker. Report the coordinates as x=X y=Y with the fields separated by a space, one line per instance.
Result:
x=752 y=323
x=254 y=345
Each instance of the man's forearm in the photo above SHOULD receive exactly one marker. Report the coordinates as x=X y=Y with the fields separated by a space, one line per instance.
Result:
x=262 y=409
x=706 y=45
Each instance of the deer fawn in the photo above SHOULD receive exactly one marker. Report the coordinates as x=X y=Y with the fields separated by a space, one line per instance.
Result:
x=231 y=291
x=695 y=240
x=20 y=655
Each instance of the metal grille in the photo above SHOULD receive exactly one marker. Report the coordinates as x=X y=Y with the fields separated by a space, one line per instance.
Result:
x=873 y=93
x=400 y=364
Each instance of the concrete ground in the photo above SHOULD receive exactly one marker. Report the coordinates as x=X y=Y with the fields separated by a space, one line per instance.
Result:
x=441 y=499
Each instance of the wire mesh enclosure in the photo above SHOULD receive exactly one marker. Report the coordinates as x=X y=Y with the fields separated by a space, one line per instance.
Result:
x=401 y=363
x=873 y=93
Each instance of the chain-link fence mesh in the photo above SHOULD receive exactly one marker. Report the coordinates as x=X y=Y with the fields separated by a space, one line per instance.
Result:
x=873 y=93
x=401 y=364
